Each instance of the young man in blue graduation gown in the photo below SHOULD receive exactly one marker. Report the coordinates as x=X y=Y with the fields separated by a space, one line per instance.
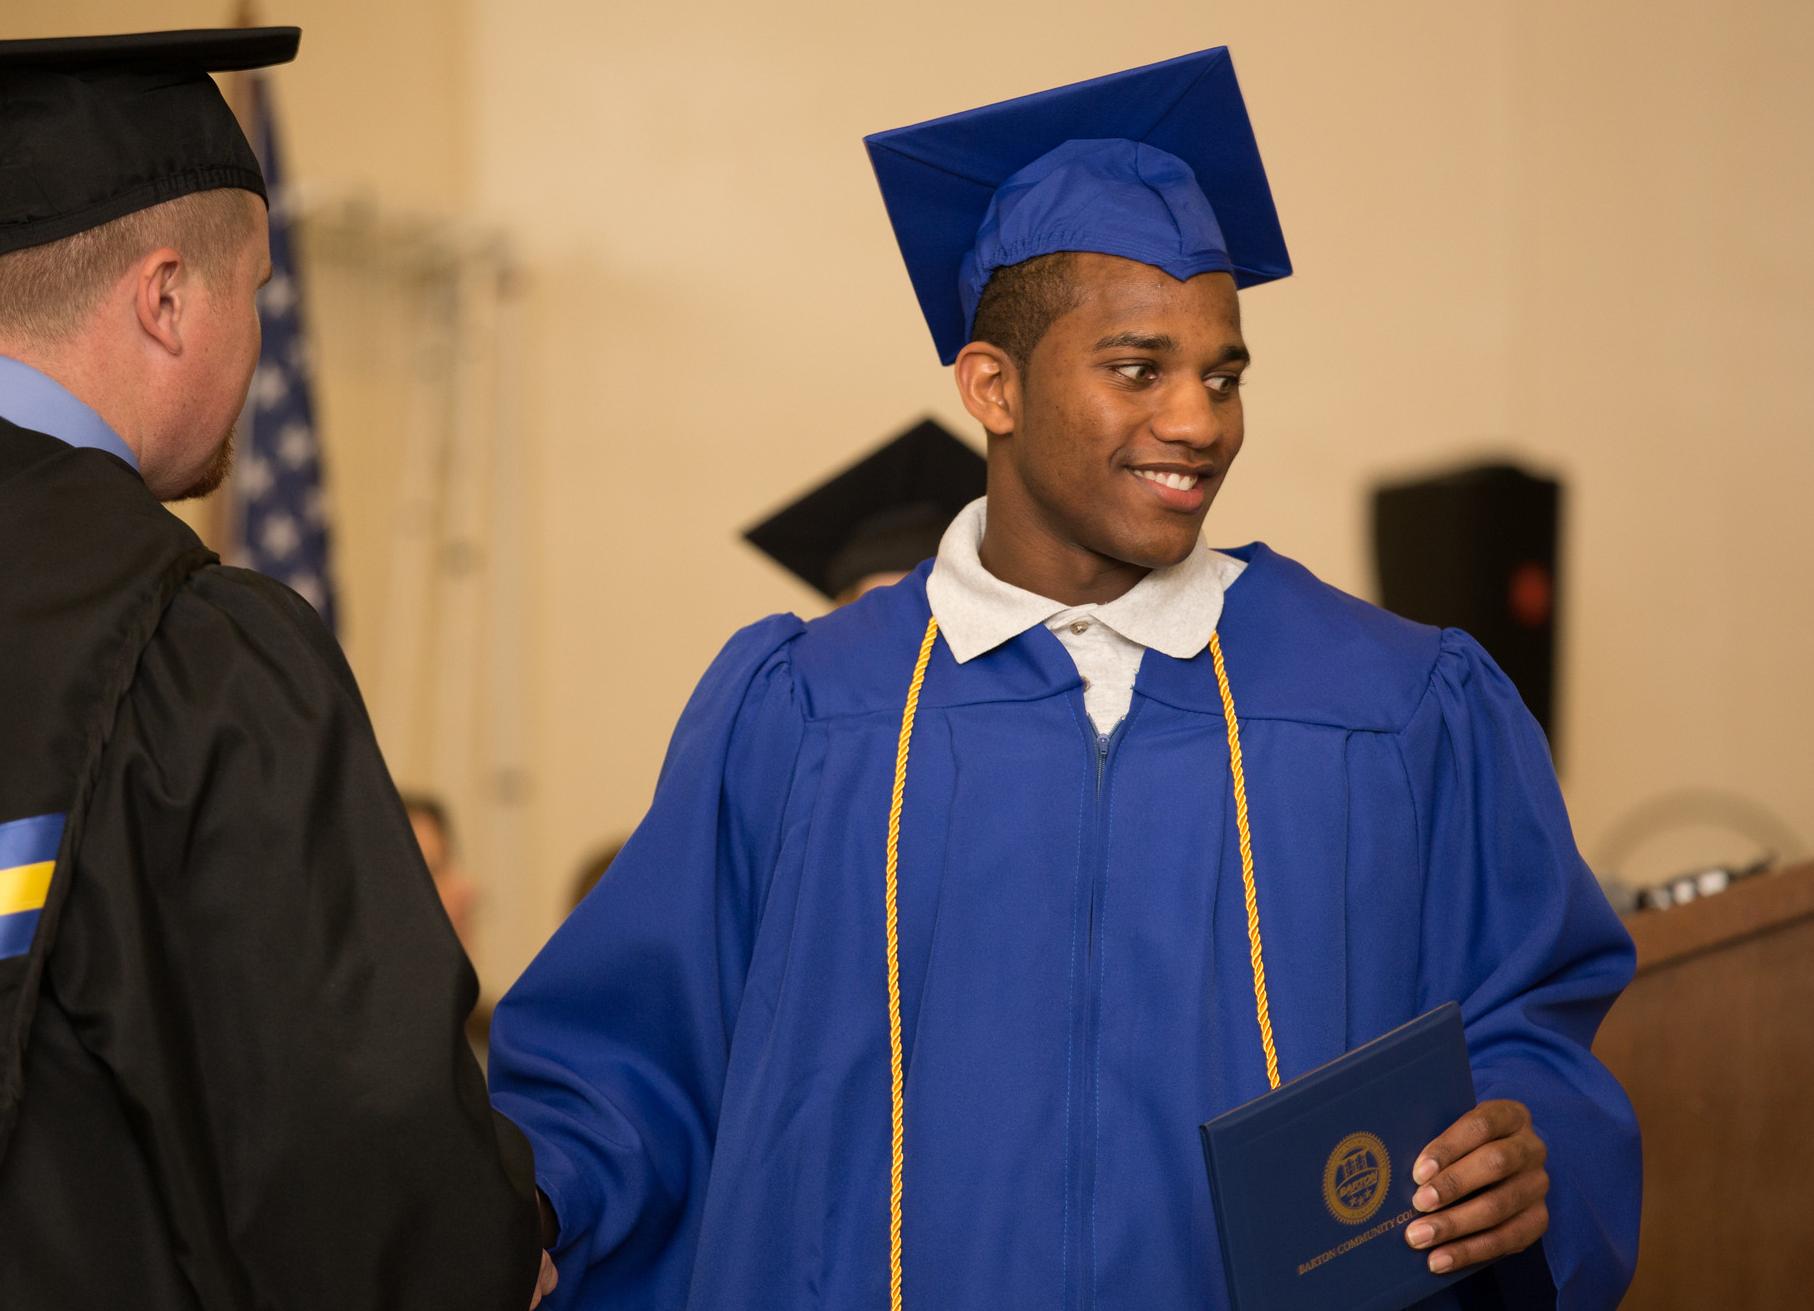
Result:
x=958 y=910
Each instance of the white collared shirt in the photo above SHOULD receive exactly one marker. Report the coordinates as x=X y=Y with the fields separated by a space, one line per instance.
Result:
x=1172 y=610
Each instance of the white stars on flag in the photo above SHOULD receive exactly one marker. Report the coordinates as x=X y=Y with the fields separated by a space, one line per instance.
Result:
x=309 y=588
x=253 y=477
x=296 y=444
x=270 y=385
x=279 y=537
x=283 y=527
x=279 y=294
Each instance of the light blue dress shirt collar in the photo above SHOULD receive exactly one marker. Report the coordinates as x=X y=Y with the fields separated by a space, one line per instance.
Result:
x=33 y=400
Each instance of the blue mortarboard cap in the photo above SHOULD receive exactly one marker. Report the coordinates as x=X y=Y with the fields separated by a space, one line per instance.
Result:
x=1157 y=164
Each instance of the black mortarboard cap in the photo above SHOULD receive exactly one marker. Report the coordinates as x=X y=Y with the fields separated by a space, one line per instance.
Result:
x=94 y=128
x=883 y=514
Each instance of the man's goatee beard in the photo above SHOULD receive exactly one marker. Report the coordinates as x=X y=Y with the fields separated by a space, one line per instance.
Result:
x=215 y=474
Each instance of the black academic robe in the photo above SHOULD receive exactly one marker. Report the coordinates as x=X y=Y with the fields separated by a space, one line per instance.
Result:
x=232 y=1071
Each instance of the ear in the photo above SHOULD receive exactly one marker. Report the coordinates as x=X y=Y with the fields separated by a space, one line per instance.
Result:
x=161 y=283
x=988 y=383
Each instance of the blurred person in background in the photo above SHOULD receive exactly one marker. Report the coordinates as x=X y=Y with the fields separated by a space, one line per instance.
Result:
x=428 y=818
x=232 y=1074
x=869 y=524
x=430 y=822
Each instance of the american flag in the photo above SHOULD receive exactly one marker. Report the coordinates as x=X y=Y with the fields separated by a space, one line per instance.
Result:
x=278 y=480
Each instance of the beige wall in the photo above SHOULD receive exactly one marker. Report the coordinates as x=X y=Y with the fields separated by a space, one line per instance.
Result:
x=376 y=102
x=1560 y=232
x=1574 y=233
x=721 y=315
x=1663 y=317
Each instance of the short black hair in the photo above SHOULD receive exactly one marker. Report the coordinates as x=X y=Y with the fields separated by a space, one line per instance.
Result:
x=1021 y=301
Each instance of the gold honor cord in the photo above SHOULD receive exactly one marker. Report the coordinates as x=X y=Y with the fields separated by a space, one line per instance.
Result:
x=897 y=1078
x=897 y=1075
x=1239 y=777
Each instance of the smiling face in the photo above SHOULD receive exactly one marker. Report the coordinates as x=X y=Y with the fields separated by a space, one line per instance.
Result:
x=1108 y=448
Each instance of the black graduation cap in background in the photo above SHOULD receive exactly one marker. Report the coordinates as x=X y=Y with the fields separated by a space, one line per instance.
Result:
x=97 y=127
x=883 y=514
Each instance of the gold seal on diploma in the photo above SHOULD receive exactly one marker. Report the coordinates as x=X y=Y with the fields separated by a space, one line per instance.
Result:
x=1355 y=1178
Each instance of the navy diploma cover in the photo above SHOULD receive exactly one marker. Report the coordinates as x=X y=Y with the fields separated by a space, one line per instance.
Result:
x=1312 y=1182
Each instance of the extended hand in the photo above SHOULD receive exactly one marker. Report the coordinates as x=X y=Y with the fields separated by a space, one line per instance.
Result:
x=544 y=1282
x=1484 y=1187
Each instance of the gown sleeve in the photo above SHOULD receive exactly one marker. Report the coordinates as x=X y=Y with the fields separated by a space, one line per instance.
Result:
x=1516 y=929
x=254 y=949
x=611 y=1050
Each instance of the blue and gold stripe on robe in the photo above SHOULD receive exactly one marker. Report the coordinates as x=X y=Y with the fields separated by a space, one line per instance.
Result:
x=28 y=855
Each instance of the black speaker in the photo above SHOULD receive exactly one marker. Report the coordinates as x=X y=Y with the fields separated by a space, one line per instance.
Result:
x=1476 y=549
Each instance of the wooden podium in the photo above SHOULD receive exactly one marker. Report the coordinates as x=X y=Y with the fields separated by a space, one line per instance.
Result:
x=1714 y=1042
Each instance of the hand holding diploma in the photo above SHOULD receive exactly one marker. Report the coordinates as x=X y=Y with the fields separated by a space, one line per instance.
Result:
x=1483 y=1187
